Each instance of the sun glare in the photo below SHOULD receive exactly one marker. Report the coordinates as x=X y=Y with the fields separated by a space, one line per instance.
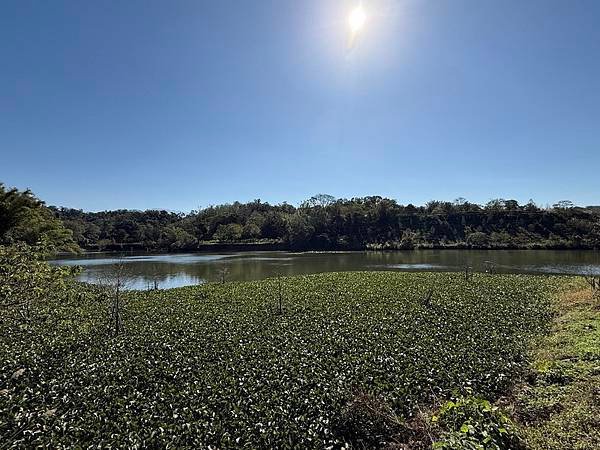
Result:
x=357 y=19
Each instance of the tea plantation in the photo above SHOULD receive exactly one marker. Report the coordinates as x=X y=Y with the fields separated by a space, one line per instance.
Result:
x=266 y=364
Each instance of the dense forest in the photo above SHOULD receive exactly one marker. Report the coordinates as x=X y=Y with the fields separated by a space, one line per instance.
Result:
x=320 y=223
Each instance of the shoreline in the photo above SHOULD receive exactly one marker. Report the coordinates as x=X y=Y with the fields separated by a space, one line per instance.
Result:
x=240 y=248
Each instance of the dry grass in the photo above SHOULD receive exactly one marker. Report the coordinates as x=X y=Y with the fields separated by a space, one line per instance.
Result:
x=559 y=406
x=367 y=422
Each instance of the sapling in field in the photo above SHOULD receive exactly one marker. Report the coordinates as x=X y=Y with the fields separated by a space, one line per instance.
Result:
x=223 y=272
x=594 y=281
x=280 y=297
x=468 y=272
x=115 y=283
x=154 y=285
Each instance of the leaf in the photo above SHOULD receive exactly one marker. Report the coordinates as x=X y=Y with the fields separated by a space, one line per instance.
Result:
x=17 y=374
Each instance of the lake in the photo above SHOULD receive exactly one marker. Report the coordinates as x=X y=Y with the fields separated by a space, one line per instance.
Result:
x=182 y=269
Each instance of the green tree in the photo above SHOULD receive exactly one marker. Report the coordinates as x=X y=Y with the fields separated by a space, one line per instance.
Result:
x=478 y=239
x=299 y=231
x=25 y=218
x=564 y=204
x=229 y=233
x=26 y=280
x=176 y=238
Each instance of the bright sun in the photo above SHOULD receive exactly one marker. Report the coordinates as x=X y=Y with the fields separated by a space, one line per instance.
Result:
x=357 y=19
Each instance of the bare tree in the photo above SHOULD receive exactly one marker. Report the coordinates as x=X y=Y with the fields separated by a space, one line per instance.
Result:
x=280 y=295
x=223 y=272
x=115 y=282
x=154 y=285
x=319 y=200
x=593 y=280
x=468 y=272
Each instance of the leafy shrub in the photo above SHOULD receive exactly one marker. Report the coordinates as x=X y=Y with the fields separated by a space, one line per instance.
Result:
x=26 y=279
x=473 y=423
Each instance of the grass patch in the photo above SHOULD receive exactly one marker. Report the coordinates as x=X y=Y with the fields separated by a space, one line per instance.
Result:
x=559 y=407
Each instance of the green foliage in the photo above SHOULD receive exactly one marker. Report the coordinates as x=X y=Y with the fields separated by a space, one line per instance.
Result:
x=251 y=231
x=26 y=280
x=218 y=365
x=478 y=239
x=24 y=218
x=323 y=222
x=175 y=238
x=229 y=233
x=473 y=423
x=299 y=231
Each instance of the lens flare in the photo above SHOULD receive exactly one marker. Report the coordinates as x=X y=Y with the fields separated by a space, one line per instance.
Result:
x=357 y=19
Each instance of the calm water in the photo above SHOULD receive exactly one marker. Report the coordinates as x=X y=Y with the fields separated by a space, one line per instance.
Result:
x=174 y=270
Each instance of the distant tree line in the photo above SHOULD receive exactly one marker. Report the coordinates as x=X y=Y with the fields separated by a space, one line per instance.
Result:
x=320 y=223
x=326 y=223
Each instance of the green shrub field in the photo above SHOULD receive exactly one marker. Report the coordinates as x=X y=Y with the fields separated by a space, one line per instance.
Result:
x=264 y=364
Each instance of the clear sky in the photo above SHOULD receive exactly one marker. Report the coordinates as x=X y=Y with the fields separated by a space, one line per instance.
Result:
x=180 y=104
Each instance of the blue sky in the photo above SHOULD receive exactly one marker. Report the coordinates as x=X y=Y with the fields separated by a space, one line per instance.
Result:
x=182 y=104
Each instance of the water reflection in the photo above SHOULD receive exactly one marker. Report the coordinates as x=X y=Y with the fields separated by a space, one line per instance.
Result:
x=174 y=270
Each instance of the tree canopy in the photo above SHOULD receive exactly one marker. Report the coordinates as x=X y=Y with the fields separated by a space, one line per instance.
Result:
x=323 y=223
x=25 y=218
x=320 y=223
